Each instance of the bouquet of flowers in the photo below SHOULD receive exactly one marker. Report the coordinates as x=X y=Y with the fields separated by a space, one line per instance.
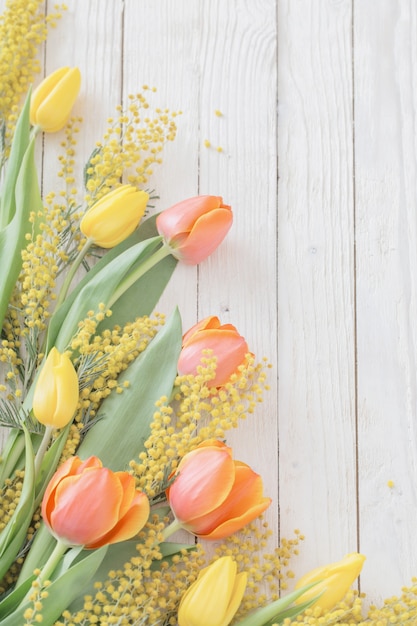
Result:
x=116 y=417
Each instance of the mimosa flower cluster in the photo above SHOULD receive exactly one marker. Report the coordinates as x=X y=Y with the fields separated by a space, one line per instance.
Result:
x=118 y=417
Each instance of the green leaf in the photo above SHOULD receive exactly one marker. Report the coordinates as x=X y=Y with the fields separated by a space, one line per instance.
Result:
x=17 y=151
x=12 y=236
x=12 y=537
x=272 y=613
x=15 y=597
x=292 y=612
x=123 y=419
x=144 y=295
x=99 y=288
x=66 y=585
x=11 y=453
x=138 y=300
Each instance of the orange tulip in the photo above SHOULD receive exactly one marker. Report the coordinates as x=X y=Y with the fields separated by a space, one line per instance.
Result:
x=195 y=227
x=213 y=496
x=87 y=504
x=224 y=341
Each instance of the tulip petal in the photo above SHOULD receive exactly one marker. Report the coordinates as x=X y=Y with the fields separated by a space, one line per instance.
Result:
x=129 y=525
x=43 y=90
x=208 y=232
x=179 y=218
x=244 y=503
x=204 y=479
x=237 y=596
x=207 y=599
x=228 y=346
x=55 y=109
x=86 y=506
x=129 y=491
x=333 y=581
x=67 y=468
x=208 y=322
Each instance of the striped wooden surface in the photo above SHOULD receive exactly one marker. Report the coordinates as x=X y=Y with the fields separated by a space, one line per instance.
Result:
x=319 y=273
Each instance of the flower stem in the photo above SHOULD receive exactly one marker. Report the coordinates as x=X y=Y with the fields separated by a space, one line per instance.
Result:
x=52 y=562
x=74 y=267
x=144 y=267
x=42 y=448
x=171 y=529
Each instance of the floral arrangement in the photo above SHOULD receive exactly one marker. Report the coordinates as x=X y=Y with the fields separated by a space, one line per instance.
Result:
x=117 y=418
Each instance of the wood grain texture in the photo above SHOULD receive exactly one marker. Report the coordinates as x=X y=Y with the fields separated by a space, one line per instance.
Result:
x=316 y=323
x=319 y=162
x=386 y=199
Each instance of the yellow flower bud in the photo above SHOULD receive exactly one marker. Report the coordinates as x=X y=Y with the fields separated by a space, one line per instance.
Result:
x=333 y=581
x=56 y=392
x=115 y=216
x=54 y=98
x=214 y=598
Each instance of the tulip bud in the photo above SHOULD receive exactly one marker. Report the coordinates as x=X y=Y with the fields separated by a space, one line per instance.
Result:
x=193 y=228
x=115 y=216
x=333 y=581
x=54 y=98
x=56 y=392
x=214 y=598
x=87 y=504
x=229 y=348
x=213 y=496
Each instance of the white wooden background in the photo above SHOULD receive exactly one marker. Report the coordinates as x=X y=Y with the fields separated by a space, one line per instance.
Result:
x=319 y=273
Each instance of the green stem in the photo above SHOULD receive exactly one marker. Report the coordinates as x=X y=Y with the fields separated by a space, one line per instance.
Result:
x=52 y=562
x=171 y=529
x=74 y=267
x=144 y=267
x=35 y=130
x=42 y=449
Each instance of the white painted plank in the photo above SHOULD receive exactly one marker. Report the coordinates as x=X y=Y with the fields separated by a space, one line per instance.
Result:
x=316 y=280
x=386 y=199
x=238 y=284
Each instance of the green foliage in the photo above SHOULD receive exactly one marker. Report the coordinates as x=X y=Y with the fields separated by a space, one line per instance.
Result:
x=123 y=420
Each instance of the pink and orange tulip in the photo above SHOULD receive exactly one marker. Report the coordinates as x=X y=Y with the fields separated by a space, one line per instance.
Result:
x=224 y=341
x=194 y=228
x=89 y=505
x=213 y=496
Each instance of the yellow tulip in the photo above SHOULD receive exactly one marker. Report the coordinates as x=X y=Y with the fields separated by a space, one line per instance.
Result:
x=214 y=598
x=54 y=98
x=333 y=581
x=115 y=216
x=56 y=392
